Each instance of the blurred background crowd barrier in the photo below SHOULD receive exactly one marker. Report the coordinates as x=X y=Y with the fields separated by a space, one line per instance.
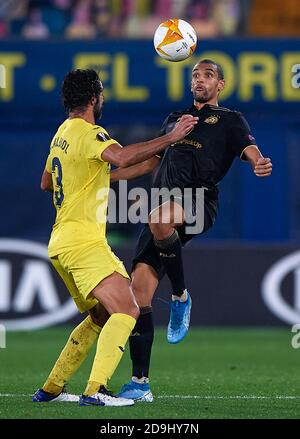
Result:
x=258 y=45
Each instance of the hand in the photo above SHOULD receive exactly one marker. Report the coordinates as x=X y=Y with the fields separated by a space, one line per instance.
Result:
x=183 y=127
x=263 y=167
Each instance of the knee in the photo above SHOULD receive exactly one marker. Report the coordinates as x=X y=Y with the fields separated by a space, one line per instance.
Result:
x=153 y=222
x=141 y=294
x=99 y=319
x=99 y=314
x=95 y=320
x=129 y=306
x=158 y=229
x=135 y=311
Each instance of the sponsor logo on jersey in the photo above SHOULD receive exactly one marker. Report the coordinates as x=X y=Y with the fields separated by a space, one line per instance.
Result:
x=102 y=137
x=211 y=120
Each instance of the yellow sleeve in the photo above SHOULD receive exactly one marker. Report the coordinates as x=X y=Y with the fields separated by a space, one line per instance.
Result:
x=48 y=164
x=97 y=140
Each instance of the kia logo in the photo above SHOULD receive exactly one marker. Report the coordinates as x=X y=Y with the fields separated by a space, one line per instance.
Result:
x=272 y=288
x=29 y=292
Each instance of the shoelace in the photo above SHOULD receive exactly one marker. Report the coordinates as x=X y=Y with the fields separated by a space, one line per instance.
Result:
x=126 y=387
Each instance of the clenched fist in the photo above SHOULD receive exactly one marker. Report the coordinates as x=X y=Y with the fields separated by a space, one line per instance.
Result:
x=263 y=167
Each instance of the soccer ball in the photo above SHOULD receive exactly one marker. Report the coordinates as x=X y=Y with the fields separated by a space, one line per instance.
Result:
x=175 y=40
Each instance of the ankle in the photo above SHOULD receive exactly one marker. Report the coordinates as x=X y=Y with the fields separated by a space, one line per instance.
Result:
x=52 y=389
x=182 y=298
x=92 y=388
x=142 y=380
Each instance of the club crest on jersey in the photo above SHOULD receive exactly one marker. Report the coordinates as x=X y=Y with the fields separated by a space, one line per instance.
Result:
x=102 y=137
x=211 y=120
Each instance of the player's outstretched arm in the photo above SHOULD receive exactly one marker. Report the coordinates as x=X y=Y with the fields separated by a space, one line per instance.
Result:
x=46 y=182
x=134 y=171
x=262 y=166
x=139 y=152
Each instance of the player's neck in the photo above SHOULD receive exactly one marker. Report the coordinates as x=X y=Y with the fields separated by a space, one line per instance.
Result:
x=200 y=105
x=88 y=116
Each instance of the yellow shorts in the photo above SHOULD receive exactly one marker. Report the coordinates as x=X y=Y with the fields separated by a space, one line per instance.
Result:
x=83 y=267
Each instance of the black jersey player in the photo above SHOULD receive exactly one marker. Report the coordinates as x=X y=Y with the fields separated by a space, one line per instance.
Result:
x=199 y=161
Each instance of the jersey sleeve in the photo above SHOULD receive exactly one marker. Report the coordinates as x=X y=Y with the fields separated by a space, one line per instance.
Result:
x=162 y=132
x=97 y=140
x=240 y=134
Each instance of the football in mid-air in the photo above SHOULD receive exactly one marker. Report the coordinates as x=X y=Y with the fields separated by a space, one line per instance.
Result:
x=175 y=40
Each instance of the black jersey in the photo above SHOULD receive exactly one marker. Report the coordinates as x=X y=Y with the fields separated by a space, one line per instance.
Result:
x=205 y=155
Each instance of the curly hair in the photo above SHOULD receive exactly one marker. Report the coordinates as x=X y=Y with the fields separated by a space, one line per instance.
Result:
x=79 y=87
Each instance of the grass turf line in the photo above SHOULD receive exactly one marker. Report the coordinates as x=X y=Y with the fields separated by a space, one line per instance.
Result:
x=219 y=373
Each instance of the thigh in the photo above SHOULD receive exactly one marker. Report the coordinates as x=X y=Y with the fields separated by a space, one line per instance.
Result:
x=89 y=265
x=81 y=303
x=116 y=295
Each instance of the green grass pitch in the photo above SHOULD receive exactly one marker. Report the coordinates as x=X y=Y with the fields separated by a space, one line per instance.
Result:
x=213 y=373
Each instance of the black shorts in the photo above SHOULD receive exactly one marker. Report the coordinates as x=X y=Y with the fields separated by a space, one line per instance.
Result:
x=148 y=253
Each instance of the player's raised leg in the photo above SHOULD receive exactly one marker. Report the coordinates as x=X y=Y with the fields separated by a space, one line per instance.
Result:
x=141 y=338
x=163 y=222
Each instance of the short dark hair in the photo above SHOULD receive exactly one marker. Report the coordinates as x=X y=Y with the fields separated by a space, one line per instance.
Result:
x=218 y=67
x=79 y=87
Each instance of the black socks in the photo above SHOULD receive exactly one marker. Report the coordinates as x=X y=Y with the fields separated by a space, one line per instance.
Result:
x=140 y=343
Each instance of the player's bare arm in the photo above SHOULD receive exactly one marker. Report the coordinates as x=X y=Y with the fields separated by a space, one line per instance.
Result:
x=139 y=152
x=262 y=166
x=137 y=170
x=134 y=171
x=46 y=182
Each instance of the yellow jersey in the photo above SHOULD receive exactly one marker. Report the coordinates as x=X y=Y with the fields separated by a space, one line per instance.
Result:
x=80 y=184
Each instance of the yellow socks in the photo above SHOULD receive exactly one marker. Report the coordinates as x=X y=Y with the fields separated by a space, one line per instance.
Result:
x=110 y=348
x=72 y=356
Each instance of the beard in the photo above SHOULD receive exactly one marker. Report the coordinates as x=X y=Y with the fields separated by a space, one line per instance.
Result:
x=97 y=111
x=204 y=97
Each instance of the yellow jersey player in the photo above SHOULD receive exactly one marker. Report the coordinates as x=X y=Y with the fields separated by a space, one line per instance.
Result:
x=78 y=172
